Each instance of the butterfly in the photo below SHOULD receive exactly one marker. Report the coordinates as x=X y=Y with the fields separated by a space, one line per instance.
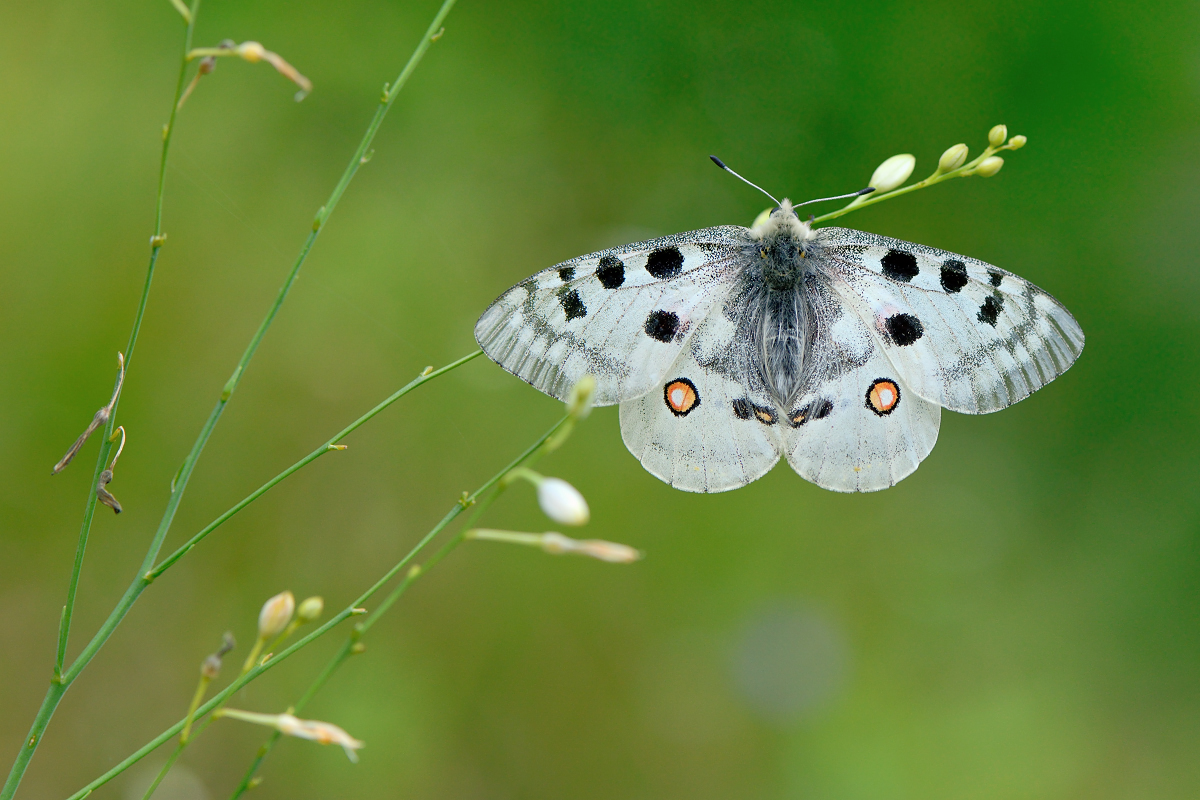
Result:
x=730 y=347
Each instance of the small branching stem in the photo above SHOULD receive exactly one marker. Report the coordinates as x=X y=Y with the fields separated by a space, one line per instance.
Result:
x=350 y=610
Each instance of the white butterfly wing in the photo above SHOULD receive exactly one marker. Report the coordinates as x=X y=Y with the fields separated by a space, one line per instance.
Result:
x=698 y=428
x=962 y=333
x=620 y=315
x=856 y=425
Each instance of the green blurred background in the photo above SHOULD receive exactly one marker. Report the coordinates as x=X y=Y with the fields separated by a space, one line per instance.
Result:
x=1017 y=619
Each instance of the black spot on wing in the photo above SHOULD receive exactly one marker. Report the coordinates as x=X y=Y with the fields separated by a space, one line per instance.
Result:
x=572 y=305
x=995 y=277
x=665 y=262
x=817 y=409
x=904 y=329
x=661 y=325
x=900 y=266
x=954 y=275
x=611 y=272
x=743 y=408
x=989 y=312
x=566 y=274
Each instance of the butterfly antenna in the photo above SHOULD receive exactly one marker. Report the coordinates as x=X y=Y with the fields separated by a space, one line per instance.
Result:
x=721 y=164
x=859 y=193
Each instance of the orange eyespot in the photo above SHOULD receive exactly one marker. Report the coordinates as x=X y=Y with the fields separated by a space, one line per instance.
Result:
x=882 y=396
x=681 y=396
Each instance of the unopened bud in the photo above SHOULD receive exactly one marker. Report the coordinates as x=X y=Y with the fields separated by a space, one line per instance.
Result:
x=211 y=668
x=997 y=135
x=893 y=172
x=252 y=51
x=989 y=166
x=562 y=502
x=953 y=158
x=207 y=65
x=1017 y=142
x=579 y=402
x=762 y=218
x=275 y=615
x=310 y=610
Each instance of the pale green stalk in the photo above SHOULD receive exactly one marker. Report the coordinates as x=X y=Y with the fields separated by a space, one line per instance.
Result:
x=353 y=609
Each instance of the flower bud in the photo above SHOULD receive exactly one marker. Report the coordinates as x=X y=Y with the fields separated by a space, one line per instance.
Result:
x=893 y=172
x=1017 y=142
x=762 y=218
x=562 y=502
x=989 y=166
x=579 y=402
x=252 y=51
x=275 y=615
x=953 y=158
x=310 y=610
x=997 y=135
x=211 y=668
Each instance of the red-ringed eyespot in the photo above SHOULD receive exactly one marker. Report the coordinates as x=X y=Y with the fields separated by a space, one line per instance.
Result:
x=883 y=396
x=681 y=396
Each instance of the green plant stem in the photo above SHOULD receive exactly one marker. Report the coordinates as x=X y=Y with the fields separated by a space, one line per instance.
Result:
x=353 y=609
x=62 y=680
x=361 y=628
x=327 y=447
x=59 y=683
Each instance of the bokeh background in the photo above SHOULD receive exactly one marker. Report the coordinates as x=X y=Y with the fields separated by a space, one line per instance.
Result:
x=1017 y=619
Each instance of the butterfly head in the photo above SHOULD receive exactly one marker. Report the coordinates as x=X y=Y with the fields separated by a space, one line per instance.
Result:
x=783 y=222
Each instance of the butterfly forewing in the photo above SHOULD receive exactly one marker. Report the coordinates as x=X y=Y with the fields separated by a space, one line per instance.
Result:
x=962 y=333
x=620 y=315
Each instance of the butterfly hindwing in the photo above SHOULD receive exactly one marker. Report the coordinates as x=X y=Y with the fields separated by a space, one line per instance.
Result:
x=962 y=333
x=855 y=426
x=620 y=315
x=700 y=429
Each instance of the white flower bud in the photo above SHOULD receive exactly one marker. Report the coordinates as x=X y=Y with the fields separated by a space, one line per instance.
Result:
x=1017 y=142
x=989 y=167
x=562 y=502
x=579 y=403
x=997 y=135
x=893 y=172
x=310 y=610
x=252 y=51
x=275 y=615
x=953 y=158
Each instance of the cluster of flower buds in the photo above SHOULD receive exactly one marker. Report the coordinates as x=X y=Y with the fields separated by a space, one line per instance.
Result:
x=889 y=177
x=892 y=173
x=279 y=618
